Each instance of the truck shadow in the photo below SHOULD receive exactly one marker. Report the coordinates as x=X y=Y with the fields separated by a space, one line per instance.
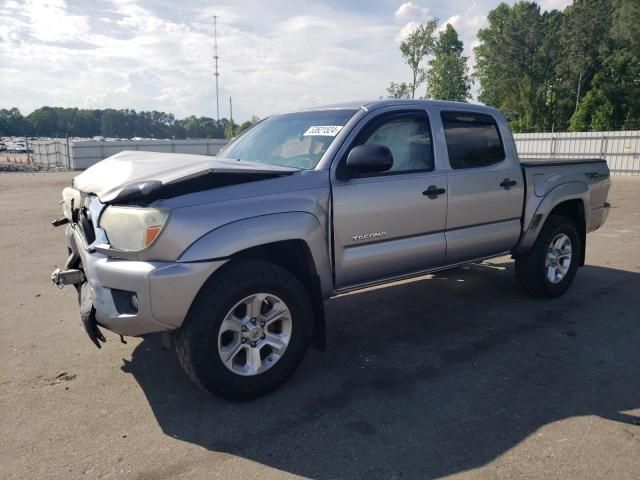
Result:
x=424 y=379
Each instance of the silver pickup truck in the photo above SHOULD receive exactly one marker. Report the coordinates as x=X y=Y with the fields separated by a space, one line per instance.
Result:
x=232 y=256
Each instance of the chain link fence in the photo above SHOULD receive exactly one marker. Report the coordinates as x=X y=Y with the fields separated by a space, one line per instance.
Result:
x=51 y=153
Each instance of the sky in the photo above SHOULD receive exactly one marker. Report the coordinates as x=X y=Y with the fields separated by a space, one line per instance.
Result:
x=275 y=55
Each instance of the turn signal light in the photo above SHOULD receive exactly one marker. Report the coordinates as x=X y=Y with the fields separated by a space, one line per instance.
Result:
x=151 y=234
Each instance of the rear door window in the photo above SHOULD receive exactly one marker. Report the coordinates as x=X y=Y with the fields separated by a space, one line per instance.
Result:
x=473 y=139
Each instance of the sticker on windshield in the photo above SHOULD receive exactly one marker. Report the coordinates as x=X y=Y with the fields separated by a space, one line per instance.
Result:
x=323 y=130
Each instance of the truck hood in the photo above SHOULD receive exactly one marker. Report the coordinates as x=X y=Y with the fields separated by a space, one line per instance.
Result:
x=131 y=175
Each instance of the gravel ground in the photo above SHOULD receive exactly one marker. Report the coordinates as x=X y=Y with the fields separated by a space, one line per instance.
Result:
x=457 y=374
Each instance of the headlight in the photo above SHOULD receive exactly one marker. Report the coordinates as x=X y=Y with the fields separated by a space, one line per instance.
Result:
x=132 y=228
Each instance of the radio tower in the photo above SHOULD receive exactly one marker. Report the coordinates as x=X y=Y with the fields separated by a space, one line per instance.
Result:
x=215 y=59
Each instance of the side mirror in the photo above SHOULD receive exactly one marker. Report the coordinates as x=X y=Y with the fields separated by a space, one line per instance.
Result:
x=369 y=159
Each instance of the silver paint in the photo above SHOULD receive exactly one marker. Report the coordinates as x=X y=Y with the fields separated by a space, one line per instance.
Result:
x=359 y=231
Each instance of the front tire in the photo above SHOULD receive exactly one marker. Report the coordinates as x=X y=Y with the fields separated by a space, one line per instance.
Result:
x=247 y=330
x=548 y=269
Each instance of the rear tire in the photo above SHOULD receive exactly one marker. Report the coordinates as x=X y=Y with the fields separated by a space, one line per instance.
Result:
x=233 y=317
x=548 y=269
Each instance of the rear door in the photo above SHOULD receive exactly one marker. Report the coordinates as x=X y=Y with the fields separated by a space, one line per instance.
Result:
x=385 y=225
x=486 y=188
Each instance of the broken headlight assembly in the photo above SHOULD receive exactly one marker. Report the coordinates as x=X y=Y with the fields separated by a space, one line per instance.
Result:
x=132 y=228
x=71 y=199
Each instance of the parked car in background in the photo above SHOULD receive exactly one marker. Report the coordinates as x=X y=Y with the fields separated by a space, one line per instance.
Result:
x=13 y=147
x=234 y=255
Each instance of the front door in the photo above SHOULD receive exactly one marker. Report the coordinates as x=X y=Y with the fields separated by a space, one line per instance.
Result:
x=392 y=223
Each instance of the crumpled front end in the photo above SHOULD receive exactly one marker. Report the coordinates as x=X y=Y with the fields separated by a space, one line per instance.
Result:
x=128 y=297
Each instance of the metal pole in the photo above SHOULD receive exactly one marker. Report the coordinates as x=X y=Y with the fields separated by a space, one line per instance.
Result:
x=578 y=92
x=231 y=115
x=68 y=154
x=603 y=146
x=215 y=58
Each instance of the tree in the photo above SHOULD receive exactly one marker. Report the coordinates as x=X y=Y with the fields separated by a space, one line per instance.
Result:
x=584 y=36
x=113 y=124
x=399 y=90
x=613 y=99
x=230 y=130
x=415 y=48
x=43 y=121
x=577 y=69
x=509 y=65
x=448 y=74
x=12 y=123
x=220 y=128
x=247 y=125
x=86 y=123
x=57 y=121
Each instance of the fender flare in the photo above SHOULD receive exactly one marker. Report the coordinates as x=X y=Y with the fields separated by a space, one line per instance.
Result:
x=231 y=238
x=534 y=221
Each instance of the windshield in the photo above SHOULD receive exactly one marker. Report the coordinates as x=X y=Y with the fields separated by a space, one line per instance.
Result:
x=292 y=139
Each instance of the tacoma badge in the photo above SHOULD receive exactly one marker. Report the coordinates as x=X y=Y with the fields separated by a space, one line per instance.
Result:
x=368 y=236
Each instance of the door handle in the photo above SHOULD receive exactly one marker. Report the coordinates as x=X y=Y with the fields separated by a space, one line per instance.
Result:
x=508 y=183
x=433 y=191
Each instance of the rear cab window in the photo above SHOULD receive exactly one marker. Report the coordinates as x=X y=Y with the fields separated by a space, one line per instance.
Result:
x=473 y=139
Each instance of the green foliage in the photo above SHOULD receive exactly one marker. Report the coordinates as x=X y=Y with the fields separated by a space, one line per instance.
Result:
x=60 y=122
x=203 y=127
x=448 y=74
x=577 y=69
x=613 y=101
x=230 y=130
x=12 y=122
x=399 y=90
x=510 y=65
x=233 y=130
x=415 y=49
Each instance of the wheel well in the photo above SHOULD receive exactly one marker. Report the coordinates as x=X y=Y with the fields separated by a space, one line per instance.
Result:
x=574 y=209
x=295 y=257
x=292 y=255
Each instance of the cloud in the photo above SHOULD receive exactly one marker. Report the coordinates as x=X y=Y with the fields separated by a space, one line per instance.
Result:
x=157 y=55
x=554 y=4
x=412 y=15
x=144 y=58
x=411 y=11
x=467 y=27
x=51 y=21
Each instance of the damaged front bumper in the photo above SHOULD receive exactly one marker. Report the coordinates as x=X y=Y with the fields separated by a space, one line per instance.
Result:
x=67 y=277
x=129 y=297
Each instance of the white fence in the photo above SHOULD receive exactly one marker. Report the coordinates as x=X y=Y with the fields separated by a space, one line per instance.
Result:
x=82 y=154
x=621 y=150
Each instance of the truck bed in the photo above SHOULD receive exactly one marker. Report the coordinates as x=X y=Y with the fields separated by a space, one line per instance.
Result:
x=556 y=162
x=584 y=178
